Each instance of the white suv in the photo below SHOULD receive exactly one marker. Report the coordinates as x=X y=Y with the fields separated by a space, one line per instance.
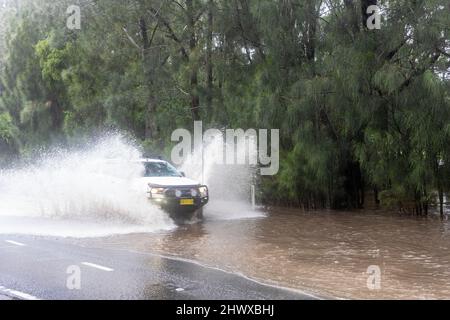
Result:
x=172 y=191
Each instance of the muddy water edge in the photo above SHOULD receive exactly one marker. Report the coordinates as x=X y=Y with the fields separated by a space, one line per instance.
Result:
x=322 y=252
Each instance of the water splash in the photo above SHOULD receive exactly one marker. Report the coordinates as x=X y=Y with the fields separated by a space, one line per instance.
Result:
x=79 y=193
x=229 y=184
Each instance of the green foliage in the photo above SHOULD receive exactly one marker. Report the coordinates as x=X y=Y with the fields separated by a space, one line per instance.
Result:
x=9 y=144
x=7 y=129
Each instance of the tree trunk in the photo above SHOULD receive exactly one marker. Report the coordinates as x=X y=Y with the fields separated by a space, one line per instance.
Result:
x=150 y=112
x=56 y=114
x=352 y=16
x=362 y=193
x=144 y=35
x=151 y=129
x=375 y=194
x=311 y=30
x=425 y=202
x=441 y=200
x=195 y=99
x=209 y=63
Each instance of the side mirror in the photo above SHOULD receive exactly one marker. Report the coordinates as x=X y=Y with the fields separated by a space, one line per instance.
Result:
x=183 y=174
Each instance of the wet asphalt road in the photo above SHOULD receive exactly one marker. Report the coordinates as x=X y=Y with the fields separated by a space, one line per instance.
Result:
x=34 y=267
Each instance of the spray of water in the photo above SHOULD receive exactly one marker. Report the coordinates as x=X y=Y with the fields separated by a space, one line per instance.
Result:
x=90 y=191
x=229 y=184
x=81 y=193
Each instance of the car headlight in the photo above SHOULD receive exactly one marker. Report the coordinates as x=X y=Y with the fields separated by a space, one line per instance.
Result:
x=157 y=192
x=203 y=191
x=194 y=192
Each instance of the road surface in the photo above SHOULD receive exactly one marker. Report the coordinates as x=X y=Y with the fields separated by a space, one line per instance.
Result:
x=54 y=268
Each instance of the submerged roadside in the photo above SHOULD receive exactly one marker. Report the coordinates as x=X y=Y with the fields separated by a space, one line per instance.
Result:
x=329 y=254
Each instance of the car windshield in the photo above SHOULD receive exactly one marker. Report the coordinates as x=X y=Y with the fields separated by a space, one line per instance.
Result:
x=160 y=169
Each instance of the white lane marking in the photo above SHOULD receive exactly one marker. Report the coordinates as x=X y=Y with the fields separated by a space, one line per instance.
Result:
x=93 y=265
x=15 y=243
x=17 y=294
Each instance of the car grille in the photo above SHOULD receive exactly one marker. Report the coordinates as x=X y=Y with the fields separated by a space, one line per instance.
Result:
x=185 y=192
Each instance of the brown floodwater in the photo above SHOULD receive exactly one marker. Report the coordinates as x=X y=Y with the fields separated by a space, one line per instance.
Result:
x=325 y=253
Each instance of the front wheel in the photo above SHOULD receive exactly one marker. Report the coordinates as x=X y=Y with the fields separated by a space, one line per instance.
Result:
x=199 y=214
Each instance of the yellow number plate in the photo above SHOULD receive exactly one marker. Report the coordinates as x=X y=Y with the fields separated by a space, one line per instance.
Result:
x=187 y=202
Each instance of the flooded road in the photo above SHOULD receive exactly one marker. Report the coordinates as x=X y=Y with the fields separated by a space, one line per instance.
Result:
x=327 y=254
x=323 y=253
x=37 y=268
